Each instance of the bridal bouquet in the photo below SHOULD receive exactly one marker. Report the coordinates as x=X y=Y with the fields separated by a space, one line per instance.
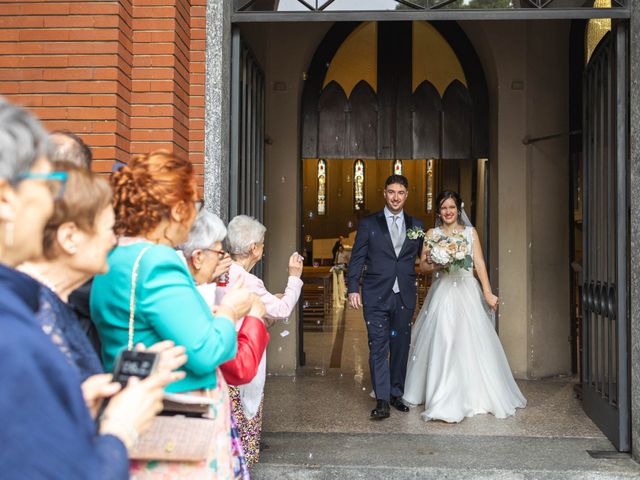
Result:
x=452 y=251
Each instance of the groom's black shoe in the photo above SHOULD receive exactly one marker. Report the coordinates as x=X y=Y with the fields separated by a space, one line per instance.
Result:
x=397 y=403
x=381 y=411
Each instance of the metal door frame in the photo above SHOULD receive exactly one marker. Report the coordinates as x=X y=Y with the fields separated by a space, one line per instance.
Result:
x=246 y=159
x=317 y=11
x=605 y=402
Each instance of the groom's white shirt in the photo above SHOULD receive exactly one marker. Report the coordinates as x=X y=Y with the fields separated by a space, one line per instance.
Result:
x=389 y=216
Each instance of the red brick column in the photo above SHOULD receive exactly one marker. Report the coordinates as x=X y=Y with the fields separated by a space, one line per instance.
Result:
x=127 y=75
x=196 y=86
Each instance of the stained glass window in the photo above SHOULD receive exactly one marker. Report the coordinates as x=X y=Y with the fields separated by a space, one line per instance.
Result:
x=429 y=180
x=397 y=167
x=322 y=187
x=358 y=185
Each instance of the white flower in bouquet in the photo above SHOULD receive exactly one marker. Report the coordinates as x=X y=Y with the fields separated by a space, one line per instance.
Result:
x=450 y=251
x=440 y=255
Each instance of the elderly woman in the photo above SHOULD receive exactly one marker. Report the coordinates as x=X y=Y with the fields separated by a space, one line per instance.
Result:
x=156 y=204
x=207 y=261
x=203 y=250
x=47 y=426
x=245 y=236
x=77 y=239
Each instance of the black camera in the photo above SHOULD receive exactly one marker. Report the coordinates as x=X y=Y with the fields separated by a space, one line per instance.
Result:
x=130 y=364
x=134 y=364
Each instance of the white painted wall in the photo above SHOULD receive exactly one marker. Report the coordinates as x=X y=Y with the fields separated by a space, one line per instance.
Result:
x=527 y=69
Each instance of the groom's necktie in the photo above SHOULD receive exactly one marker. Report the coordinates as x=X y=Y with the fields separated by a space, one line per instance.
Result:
x=397 y=244
x=395 y=234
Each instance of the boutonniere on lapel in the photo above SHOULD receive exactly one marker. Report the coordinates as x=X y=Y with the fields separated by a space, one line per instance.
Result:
x=415 y=233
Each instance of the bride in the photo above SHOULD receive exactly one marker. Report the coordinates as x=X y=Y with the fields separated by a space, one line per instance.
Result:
x=456 y=365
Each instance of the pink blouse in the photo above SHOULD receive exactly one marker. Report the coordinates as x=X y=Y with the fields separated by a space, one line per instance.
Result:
x=276 y=307
x=252 y=392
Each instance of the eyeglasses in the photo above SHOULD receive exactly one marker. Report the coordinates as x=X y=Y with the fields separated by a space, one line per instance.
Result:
x=221 y=253
x=56 y=181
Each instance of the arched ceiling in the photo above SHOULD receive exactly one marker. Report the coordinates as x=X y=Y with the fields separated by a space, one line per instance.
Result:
x=388 y=90
x=433 y=59
x=356 y=59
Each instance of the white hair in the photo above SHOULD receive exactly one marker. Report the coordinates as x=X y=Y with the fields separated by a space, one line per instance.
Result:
x=69 y=147
x=23 y=140
x=207 y=229
x=243 y=232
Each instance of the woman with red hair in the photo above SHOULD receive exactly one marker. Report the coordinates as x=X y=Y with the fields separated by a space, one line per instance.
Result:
x=155 y=202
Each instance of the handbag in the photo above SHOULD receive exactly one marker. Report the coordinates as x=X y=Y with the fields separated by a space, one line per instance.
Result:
x=171 y=437
x=175 y=438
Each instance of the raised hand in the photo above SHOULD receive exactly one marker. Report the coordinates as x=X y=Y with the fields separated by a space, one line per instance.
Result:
x=222 y=267
x=295 y=265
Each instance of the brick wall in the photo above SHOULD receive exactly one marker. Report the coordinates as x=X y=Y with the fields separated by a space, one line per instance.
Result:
x=126 y=75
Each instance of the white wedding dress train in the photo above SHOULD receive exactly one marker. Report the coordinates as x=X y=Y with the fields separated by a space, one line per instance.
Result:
x=456 y=365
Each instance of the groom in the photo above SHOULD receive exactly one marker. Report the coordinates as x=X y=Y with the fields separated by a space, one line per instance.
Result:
x=384 y=259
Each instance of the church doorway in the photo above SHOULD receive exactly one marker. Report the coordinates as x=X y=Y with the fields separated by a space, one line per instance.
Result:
x=408 y=98
x=522 y=157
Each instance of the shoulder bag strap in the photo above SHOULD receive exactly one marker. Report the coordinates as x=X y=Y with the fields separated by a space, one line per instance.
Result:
x=132 y=298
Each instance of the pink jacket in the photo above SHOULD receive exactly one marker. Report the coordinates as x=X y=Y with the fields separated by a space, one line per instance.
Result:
x=276 y=307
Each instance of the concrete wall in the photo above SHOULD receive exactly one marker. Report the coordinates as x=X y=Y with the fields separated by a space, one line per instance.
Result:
x=528 y=82
x=526 y=65
x=500 y=47
x=548 y=198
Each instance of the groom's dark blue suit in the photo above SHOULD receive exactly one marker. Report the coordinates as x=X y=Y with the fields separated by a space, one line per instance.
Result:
x=374 y=263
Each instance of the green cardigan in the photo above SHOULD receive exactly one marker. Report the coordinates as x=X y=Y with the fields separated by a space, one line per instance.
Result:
x=168 y=307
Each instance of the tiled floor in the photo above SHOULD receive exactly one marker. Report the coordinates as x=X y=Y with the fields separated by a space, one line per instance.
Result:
x=342 y=343
x=331 y=394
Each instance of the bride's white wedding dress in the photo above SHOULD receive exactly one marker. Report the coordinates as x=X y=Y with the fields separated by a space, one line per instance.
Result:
x=457 y=366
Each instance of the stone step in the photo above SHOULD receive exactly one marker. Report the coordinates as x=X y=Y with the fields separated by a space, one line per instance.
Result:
x=324 y=456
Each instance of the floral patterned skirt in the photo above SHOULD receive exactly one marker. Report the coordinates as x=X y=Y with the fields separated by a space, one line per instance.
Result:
x=225 y=460
x=250 y=430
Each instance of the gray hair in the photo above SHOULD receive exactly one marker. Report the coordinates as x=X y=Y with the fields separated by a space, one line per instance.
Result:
x=23 y=140
x=69 y=147
x=243 y=232
x=207 y=229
